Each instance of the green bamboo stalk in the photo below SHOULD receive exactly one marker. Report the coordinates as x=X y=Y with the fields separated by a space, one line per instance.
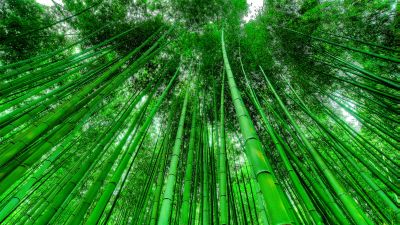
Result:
x=258 y=199
x=363 y=42
x=366 y=144
x=364 y=73
x=36 y=62
x=276 y=211
x=145 y=193
x=206 y=214
x=25 y=138
x=6 y=210
x=187 y=188
x=347 y=149
x=356 y=185
x=294 y=178
x=43 y=76
x=111 y=185
x=55 y=203
x=349 y=203
x=384 y=57
x=62 y=131
x=244 y=184
x=224 y=207
x=161 y=172
x=166 y=210
x=315 y=182
x=374 y=127
x=95 y=187
x=195 y=192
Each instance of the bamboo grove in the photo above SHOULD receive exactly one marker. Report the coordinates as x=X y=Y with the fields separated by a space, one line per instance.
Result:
x=188 y=112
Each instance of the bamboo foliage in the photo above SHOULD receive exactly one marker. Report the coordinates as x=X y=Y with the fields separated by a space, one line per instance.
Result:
x=124 y=118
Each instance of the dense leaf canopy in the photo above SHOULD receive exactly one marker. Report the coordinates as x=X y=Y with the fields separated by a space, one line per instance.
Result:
x=199 y=112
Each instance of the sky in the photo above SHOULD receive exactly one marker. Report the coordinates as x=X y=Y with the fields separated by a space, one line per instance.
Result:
x=254 y=6
x=48 y=2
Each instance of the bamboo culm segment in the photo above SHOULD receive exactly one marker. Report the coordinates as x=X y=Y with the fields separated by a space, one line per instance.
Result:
x=276 y=210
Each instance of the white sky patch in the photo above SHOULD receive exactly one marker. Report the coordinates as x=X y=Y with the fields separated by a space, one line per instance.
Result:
x=393 y=8
x=394 y=5
x=157 y=122
x=49 y=2
x=241 y=160
x=350 y=119
x=77 y=49
x=254 y=7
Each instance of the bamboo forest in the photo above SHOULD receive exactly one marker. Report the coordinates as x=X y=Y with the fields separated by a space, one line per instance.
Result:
x=200 y=112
